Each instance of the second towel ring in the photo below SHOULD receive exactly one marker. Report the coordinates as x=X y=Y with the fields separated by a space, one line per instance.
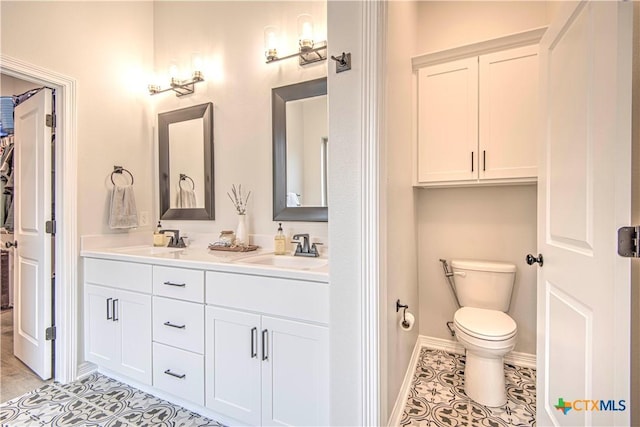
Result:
x=184 y=177
x=120 y=169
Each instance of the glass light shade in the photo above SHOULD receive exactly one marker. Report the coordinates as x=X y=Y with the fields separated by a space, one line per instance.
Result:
x=271 y=42
x=196 y=62
x=305 y=32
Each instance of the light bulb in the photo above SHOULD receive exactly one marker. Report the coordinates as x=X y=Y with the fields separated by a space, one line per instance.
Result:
x=305 y=32
x=271 y=42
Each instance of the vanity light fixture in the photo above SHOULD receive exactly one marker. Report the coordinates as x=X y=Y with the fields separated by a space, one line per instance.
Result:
x=180 y=87
x=309 y=51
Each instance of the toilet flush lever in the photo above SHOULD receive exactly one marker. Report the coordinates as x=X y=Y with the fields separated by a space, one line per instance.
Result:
x=532 y=260
x=460 y=273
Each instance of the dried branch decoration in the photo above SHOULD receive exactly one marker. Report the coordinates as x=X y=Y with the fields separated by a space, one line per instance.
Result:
x=238 y=200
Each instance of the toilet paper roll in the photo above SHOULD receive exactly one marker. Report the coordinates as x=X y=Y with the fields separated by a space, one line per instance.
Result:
x=410 y=320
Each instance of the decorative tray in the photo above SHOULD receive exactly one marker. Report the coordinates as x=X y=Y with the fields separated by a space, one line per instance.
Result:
x=233 y=248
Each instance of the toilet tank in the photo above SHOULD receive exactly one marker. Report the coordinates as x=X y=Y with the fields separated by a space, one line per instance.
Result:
x=484 y=284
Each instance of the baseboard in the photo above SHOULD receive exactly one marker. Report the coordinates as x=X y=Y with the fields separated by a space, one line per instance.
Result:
x=515 y=358
x=403 y=394
x=86 y=369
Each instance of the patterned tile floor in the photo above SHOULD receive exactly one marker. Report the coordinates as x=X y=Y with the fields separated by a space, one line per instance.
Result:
x=95 y=401
x=437 y=395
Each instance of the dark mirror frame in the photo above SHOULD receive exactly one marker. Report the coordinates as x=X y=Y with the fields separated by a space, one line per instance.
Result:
x=204 y=111
x=279 y=98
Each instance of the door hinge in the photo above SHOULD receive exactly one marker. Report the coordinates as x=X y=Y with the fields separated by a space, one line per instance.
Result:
x=50 y=227
x=628 y=241
x=50 y=333
x=50 y=120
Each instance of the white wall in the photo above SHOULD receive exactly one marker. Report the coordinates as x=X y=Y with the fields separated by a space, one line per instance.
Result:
x=107 y=47
x=486 y=223
x=344 y=20
x=401 y=252
x=229 y=37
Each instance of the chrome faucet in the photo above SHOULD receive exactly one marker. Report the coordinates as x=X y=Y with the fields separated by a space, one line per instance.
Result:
x=303 y=248
x=176 y=241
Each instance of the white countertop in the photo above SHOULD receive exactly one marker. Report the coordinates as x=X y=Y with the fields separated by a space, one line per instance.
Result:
x=205 y=259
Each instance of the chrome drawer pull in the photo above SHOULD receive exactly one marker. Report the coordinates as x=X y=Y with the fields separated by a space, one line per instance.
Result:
x=181 y=285
x=168 y=372
x=167 y=323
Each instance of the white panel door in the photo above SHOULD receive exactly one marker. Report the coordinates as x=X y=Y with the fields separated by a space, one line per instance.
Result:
x=584 y=196
x=448 y=121
x=295 y=374
x=508 y=141
x=232 y=364
x=33 y=256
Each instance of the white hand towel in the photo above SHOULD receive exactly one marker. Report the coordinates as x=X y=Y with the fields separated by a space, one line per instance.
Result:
x=123 y=212
x=186 y=198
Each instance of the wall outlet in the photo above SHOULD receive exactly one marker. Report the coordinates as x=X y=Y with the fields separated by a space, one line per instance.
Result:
x=143 y=218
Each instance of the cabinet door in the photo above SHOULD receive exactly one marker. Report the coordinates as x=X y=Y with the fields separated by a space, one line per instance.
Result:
x=509 y=114
x=232 y=364
x=102 y=333
x=448 y=122
x=295 y=374
x=133 y=313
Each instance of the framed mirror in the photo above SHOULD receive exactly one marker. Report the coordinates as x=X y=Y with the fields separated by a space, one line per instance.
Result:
x=186 y=181
x=300 y=151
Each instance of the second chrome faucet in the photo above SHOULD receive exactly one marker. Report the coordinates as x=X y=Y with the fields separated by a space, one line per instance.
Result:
x=303 y=248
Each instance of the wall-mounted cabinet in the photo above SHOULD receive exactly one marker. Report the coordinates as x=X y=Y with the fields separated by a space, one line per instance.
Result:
x=477 y=113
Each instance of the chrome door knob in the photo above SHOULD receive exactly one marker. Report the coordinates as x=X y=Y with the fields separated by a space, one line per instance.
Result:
x=9 y=245
x=532 y=260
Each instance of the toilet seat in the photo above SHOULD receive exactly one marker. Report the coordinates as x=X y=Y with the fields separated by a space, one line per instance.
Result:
x=490 y=325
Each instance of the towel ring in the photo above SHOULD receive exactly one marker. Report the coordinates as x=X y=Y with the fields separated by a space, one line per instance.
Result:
x=120 y=169
x=184 y=177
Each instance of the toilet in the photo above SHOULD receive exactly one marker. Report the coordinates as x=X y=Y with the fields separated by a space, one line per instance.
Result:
x=483 y=326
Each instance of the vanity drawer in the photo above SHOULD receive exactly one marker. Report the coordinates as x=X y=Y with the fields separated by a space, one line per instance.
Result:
x=179 y=372
x=178 y=323
x=181 y=283
x=129 y=276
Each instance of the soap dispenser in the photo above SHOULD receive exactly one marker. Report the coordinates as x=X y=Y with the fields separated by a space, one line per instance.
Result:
x=279 y=242
x=158 y=237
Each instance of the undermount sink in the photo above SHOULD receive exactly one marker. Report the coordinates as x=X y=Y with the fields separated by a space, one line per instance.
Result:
x=286 y=261
x=149 y=250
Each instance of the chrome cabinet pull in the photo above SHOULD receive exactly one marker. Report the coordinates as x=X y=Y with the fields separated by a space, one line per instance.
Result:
x=254 y=338
x=265 y=344
x=109 y=316
x=472 y=161
x=167 y=323
x=484 y=160
x=180 y=376
x=115 y=310
x=180 y=285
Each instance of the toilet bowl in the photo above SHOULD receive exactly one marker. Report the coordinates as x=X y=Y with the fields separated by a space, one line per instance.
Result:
x=487 y=336
x=483 y=327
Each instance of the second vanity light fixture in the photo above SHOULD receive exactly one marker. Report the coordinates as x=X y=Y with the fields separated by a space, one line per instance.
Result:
x=309 y=51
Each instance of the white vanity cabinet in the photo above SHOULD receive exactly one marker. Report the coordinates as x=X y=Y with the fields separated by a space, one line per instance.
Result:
x=117 y=304
x=178 y=332
x=477 y=118
x=263 y=369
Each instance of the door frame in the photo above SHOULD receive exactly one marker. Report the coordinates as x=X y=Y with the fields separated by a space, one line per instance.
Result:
x=66 y=243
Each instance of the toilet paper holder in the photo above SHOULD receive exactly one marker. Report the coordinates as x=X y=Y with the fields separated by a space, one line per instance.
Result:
x=404 y=312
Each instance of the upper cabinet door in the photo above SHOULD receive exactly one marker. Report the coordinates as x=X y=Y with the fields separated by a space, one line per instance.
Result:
x=448 y=122
x=509 y=114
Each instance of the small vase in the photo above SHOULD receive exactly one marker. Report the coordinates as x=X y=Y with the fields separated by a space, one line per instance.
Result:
x=242 y=238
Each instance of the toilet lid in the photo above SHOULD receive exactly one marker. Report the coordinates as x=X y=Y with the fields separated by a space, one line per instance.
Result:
x=486 y=324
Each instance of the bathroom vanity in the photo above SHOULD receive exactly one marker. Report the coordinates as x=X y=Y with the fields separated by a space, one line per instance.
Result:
x=240 y=338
